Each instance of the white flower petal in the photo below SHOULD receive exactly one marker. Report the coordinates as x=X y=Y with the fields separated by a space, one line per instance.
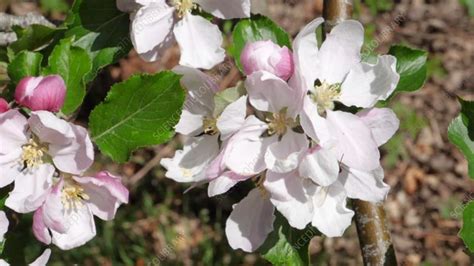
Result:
x=13 y=127
x=228 y=9
x=3 y=225
x=250 y=222
x=51 y=129
x=291 y=196
x=313 y=124
x=331 y=216
x=31 y=189
x=232 y=118
x=223 y=183
x=81 y=230
x=151 y=30
x=305 y=55
x=189 y=164
x=284 y=156
x=43 y=259
x=195 y=32
x=356 y=147
x=368 y=186
x=383 y=123
x=10 y=168
x=340 y=51
x=320 y=165
x=366 y=84
x=270 y=93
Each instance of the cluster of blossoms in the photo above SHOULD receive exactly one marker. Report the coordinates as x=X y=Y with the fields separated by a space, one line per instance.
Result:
x=156 y=24
x=288 y=130
x=45 y=158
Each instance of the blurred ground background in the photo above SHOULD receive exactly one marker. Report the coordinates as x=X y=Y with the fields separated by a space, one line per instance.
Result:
x=427 y=174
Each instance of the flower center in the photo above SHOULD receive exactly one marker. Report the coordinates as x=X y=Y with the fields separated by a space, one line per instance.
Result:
x=33 y=154
x=278 y=124
x=210 y=126
x=184 y=6
x=324 y=96
x=73 y=195
x=259 y=180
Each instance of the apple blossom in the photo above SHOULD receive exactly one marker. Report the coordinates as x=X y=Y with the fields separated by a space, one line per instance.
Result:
x=41 y=93
x=66 y=216
x=267 y=56
x=156 y=24
x=32 y=149
x=3 y=225
x=3 y=106
x=42 y=260
x=203 y=127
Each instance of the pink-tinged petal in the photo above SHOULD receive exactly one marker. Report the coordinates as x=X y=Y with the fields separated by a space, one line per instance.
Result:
x=356 y=147
x=232 y=118
x=340 y=51
x=151 y=30
x=284 y=155
x=217 y=165
x=245 y=151
x=290 y=195
x=75 y=157
x=4 y=106
x=10 y=168
x=31 y=188
x=331 y=216
x=250 y=222
x=50 y=129
x=3 y=225
x=53 y=210
x=313 y=124
x=368 y=186
x=305 y=55
x=40 y=231
x=383 y=123
x=223 y=183
x=228 y=9
x=42 y=93
x=200 y=88
x=106 y=193
x=195 y=31
x=269 y=93
x=189 y=164
x=13 y=127
x=320 y=165
x=81 y=230
x=43 y=259
x=267 y=56
x=367 y=84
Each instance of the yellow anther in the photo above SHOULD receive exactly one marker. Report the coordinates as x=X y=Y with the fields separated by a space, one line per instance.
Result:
x=33 y=154
x=210 y=126
x=325 y=95
x=186 y=172
x=278 y=124
x=73 y=195
x=184 y=6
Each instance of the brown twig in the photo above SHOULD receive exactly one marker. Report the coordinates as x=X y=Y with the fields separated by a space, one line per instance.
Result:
x=371 y=221
x=163 y=152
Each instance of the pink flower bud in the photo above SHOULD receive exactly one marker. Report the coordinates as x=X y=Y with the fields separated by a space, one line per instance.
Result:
x=3 y=106
x=268 y=56
x=41 y=93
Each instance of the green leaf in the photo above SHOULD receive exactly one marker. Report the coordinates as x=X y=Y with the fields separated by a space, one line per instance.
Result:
x=33 y=38
x=100 y=29
x=223 y=98
x=257 y=28
x=139 y=112
x=467 y=230
x=72 y=64
x=411 y=65
x=54 y=5
x=461 y=133
x=287 y=246
x=23 y=65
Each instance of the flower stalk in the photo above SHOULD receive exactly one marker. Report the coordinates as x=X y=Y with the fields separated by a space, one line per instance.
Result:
x=371 y=219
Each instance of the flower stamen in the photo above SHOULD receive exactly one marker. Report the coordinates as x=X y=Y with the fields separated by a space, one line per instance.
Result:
x=33 y=154
x=278 y=124
x=324 y=96
x=210 y=126
x=184 y=6
x=73 y=196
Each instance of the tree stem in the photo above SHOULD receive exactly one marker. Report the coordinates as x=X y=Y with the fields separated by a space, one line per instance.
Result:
x=371 y=220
